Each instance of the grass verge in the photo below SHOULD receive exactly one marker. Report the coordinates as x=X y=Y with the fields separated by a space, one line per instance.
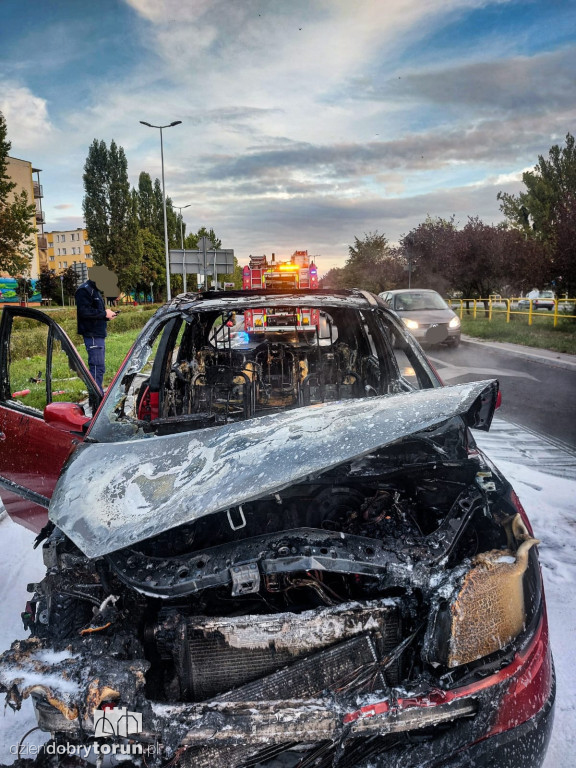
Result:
x=28 y=355
x=540 y=334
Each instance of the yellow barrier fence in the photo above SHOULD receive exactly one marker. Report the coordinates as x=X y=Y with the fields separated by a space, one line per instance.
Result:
x=516 y=306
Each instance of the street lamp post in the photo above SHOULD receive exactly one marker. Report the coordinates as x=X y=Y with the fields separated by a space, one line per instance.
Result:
x=152 y=292
x=180 y=208
x=160 y=128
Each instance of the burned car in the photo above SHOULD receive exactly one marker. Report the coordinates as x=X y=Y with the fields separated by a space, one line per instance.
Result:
x=274 y=542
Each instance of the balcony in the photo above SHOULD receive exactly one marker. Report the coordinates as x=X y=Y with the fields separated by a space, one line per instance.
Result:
x=38 y=191
x=42 y=243
x=40 y=217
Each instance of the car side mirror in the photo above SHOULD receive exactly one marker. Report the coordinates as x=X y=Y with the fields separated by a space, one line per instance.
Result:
x=69 y=417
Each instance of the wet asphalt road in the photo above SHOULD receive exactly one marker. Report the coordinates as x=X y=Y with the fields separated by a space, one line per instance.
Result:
x=535 y=394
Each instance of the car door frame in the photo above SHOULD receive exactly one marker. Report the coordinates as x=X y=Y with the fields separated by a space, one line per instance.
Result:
x=22 y=499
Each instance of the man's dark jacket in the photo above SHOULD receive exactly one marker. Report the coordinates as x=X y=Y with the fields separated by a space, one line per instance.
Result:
x=90 y=311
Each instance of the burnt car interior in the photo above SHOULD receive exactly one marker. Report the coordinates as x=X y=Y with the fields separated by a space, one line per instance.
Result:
x=393 y=577
x=207 y=370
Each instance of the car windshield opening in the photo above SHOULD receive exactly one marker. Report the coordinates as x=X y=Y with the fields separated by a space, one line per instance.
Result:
x=208 y=368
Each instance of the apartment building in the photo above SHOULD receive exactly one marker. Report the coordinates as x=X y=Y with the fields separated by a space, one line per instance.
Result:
x=22 y=173
x=64 y=247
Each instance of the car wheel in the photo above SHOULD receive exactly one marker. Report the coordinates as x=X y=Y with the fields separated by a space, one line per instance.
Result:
x=453 y=343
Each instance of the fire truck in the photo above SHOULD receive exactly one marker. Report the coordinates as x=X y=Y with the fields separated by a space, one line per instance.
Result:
x=274 y=275
x=298 y=272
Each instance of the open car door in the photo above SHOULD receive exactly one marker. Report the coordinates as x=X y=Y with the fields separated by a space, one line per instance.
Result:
x=47 y=397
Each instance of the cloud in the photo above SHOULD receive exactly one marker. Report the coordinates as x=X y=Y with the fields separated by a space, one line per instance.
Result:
x=327 y=225
x=278 y=50
x=170 y=11
x=63 y=206
x=26 y=115
x=526 y=84
x=489 y=142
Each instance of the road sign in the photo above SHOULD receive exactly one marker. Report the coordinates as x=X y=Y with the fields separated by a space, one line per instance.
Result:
x=206 y=260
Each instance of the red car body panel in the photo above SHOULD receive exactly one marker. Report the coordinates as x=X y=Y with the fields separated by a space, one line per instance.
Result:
x=34 y=459
x=33 y=452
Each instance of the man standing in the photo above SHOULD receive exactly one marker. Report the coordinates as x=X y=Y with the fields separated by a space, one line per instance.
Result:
x=92 y=317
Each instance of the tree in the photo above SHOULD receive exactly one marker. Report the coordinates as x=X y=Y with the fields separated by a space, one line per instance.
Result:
x=96 y=203
x=125 y=245
x=17 y=230
x=334 y=278
x=158 y=210
x=111 y=214
x=478 y=260
x=69 y=280
x=48 y=283
x=427 y=250
x=146 y=202
x=173 y=220
x=25 y=288
x=373 y=264
x=191 y=240
x=153 y=268
x=548 y=186
x=563 y=268
x=546 y=211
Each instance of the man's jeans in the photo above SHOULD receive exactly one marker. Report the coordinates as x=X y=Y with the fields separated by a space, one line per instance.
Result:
x=96 y=364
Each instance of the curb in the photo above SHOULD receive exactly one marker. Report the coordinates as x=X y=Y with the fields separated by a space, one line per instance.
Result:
x=544 y=356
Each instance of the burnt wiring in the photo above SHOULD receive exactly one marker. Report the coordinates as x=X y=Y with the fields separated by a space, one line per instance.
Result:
x=81 y=596
x=327 y=594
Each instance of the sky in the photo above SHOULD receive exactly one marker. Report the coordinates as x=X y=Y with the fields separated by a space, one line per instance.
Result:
x=305 y=123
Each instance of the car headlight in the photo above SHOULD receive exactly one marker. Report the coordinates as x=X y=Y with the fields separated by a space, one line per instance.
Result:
x=454 y=323
x=412 y=324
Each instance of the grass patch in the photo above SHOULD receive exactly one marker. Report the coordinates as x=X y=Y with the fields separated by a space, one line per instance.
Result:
x=540 y=334
x=28 y=350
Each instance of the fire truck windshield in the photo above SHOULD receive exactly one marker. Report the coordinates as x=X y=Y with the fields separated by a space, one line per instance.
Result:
x=281 y=280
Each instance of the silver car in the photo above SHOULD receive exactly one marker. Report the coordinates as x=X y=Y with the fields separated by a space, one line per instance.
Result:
x=425 y=314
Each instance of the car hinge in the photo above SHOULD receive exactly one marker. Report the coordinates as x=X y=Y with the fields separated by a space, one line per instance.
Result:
x=245 y=579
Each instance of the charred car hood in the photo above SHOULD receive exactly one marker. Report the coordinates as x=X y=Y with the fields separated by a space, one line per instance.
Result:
x=113 y=495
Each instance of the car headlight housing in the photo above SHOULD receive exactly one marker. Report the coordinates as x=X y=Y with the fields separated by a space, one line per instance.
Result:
x=454 y=323
x=487 y=609
x=412 y=324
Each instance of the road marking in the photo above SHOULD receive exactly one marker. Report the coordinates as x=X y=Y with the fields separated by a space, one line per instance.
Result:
x=460 y=370
x=511 y=442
